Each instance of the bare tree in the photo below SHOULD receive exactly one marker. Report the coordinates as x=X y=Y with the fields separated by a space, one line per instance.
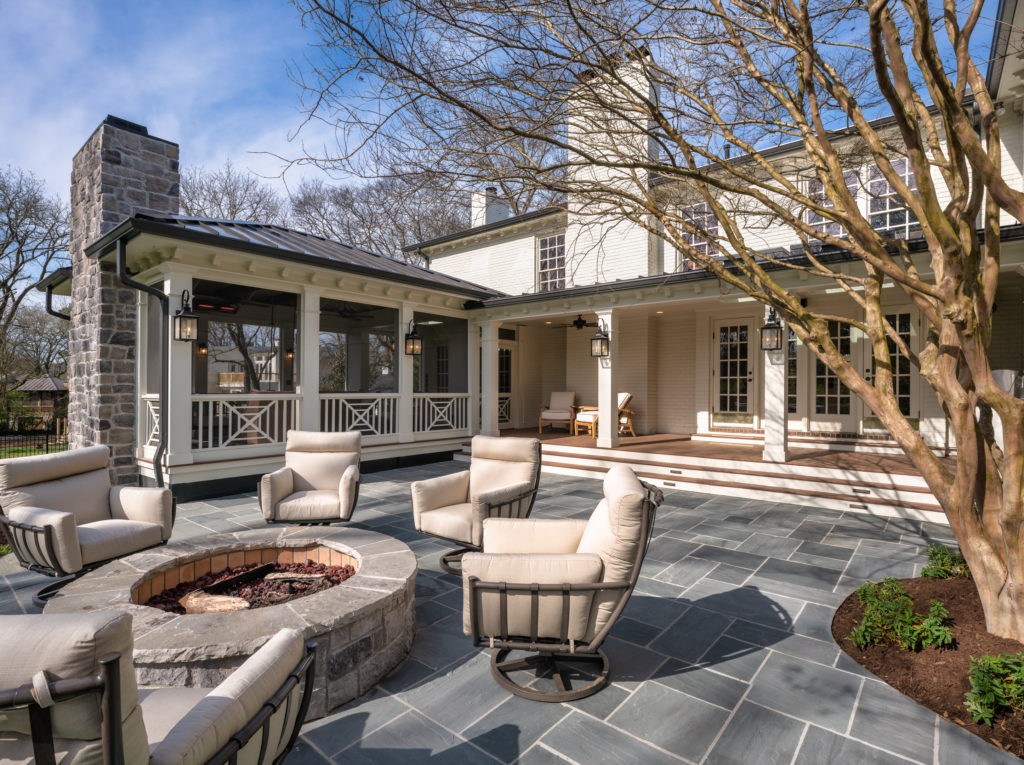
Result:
x=33 y=242
x=230 y=194
x=38 y=343
x=660 y=91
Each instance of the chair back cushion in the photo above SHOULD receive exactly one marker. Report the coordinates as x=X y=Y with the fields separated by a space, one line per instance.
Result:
x=69 y=646
x=613 y=532
x=624 y=399
x=498 y=462
x=318 y=459
x=562 y=401
x=75 y=482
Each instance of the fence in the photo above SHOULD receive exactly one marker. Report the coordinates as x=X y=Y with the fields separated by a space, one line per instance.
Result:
x=27 y=444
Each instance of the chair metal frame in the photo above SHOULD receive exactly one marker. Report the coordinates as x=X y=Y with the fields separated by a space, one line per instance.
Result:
x=552 y=654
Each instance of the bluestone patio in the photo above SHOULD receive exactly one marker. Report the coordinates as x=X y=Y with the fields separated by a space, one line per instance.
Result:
x=725 y=654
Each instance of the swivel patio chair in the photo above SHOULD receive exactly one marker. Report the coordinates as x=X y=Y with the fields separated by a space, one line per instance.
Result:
x=501 y=482
x=62 y=517
x=554 y=588
x=71 y=697
x=319 y=483
x=586 y=417
x=561 y=410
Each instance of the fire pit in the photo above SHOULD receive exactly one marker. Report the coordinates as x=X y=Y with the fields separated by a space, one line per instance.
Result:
x=363 y=624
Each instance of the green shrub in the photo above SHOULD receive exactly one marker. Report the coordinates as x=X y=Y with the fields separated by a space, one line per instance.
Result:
x=889 y=618
x=945 y=563
x=997 y=684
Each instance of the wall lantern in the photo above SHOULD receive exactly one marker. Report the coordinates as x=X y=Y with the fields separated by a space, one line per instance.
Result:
x=186 y=323
x=771 y=333
x=413 y=341
x=202 y=349
x=289 y=353
x=599 y=345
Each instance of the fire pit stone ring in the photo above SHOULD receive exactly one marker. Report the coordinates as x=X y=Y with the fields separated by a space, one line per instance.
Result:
x=363 y=626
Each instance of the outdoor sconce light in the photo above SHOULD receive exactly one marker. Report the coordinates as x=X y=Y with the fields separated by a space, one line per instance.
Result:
x=599 y=342
x=186 y=323
x=289 y=354
x=771 y=333
x=413 y=341
x=202 y=349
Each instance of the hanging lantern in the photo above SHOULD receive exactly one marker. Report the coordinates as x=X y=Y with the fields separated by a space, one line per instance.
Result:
x=413 y=341
x=771 y=333
x=599 y=344
x=186 y=323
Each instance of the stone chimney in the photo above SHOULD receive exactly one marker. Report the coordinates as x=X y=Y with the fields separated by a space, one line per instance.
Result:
x=485 y=207
x=119 y=171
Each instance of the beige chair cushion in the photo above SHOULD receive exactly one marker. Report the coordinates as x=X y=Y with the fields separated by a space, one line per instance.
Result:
x=85 y=495
x=68 y=646
x=318 y=460
x=556 y=414
x=530 y=569
x=163 y=708
x=588 y=416
x=104 y=540
x=222 y=712
x=16 y=749
x=455 y=522
x=531 y=535
x=24 y=471
x=624 y=399
x=308 y=506
x=148 y=504
x=348 y=491
x=65 y=533
x=613 y=532
x=274 y=487
x=443 y=491
x=498 y=462
x=562 y=401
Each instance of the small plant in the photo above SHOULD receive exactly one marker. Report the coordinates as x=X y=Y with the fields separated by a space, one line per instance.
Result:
x=889 y=618
x=997 y=684
x=945 y=563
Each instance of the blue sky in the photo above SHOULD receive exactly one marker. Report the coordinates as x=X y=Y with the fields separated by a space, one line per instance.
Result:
x=211 y=76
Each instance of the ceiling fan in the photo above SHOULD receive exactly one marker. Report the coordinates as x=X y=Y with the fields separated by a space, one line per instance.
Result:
x=579 y=323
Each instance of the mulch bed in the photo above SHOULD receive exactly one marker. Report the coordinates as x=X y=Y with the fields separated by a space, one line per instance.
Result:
x=259 y=592
x=937 y=678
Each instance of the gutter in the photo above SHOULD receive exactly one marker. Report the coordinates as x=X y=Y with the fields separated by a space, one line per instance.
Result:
x=59 y=276
x=165 y=329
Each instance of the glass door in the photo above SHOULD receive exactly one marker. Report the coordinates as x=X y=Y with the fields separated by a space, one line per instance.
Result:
x=833 y=406
x=734 y=384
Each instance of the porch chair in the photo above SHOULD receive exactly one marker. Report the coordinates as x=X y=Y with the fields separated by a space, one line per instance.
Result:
x=319 y=483
x=561 y=409
x=554 y=588
x=586 y=417
x=501 y=481
x=62 y=517
x=71 y=697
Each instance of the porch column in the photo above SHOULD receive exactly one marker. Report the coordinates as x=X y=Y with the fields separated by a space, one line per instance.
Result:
x=607 y=384
x=473 y=370
x=775 y=418
x=179 y=369
x=309 y=360
x=406 y=382
x=489 y=378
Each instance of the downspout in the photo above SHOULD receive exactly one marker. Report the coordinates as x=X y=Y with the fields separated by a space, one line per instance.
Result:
x=49 y=305
x=165 y=328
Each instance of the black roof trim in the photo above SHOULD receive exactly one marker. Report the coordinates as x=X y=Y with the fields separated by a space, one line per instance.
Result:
x=59 y=276
x=524 y=218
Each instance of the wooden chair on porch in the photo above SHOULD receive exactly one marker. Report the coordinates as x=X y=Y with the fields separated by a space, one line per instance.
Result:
x=586 y=418
x=561 y=409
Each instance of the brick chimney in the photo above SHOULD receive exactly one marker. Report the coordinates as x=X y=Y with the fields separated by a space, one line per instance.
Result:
x=485 y=207
x=119 y=171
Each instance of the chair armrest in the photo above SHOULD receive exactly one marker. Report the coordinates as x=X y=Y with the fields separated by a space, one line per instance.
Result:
x=66 y=551
x=486 y=501
x=481 y=609
x=532 y=535
x=348 y=491
x=586 y=408
x=274 y=487
x=438 y=492
x=148 y=504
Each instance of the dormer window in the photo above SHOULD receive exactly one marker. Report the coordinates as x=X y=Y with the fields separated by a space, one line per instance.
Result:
x=551 y=263
x=816 y=192
x=701 y=219
x=888 y=214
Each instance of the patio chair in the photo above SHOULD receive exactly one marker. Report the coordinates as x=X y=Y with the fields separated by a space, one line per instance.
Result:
x=319 y=483
x=561 y=409
x=501 y=482
x=62 y=517
x=586 y=417
x=554 y=588
x=72 y=698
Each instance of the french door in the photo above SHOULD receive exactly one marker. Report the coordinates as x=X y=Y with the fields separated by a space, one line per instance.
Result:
x=734 y=373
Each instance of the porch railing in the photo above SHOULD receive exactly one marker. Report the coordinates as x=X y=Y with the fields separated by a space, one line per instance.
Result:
x=254 y=419
x=504 y=410
x=433 y=412
x=372 y=414
x=150 y=419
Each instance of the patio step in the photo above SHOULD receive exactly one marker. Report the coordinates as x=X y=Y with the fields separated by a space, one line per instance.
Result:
x=861 y=444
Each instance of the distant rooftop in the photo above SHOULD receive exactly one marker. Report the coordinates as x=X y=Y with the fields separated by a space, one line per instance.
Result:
x=498 y=224
x=44 y=383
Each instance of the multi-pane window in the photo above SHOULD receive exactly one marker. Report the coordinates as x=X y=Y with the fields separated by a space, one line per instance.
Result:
x=888 y=214
x=701 y=219
x=900 y=361
x=504 y=370
x=551 y=263
x=816 y=191
x=830 y=395
x=791 y=372
x=733 y=368
x=442 y=368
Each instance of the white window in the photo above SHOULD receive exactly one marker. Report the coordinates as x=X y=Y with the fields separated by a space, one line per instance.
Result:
x=888 y=215
x=551 y=263
x=705 y=230
x=816 y=191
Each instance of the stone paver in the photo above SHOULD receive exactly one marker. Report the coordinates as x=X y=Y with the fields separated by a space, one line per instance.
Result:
x=724 y=654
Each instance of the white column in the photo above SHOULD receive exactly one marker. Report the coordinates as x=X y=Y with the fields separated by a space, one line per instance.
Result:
x=607 y=384
x=405 y=375
x=473 y=349
x=489 y=378
x=309 y=360
x=775 y=418
x=179 y=395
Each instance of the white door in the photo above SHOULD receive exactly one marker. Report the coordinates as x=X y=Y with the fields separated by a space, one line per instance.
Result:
x=734 y=373
x=833 y=406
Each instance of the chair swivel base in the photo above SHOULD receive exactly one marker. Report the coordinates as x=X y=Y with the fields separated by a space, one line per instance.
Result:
x=455 y=556
x=554 y=663
x=48 y=591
